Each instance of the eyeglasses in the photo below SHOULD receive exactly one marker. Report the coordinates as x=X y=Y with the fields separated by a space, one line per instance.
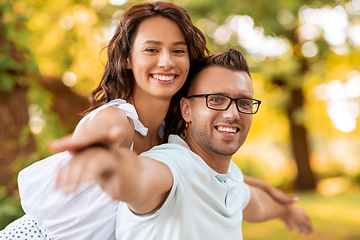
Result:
x=221 y=102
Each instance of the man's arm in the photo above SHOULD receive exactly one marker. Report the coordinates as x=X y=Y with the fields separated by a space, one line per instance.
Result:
x=262 y=207
x=141 y=182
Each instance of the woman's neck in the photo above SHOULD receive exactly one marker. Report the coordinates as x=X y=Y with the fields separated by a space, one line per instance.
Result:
x=151 y=111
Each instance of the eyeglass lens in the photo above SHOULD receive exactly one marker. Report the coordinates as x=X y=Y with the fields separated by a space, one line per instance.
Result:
x=219 y=102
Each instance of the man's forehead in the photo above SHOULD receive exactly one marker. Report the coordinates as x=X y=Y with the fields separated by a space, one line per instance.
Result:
x=215 y=78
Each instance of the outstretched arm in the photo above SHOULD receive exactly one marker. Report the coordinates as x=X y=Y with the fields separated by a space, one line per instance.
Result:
x=275 y=193
x=141 y=182
x=262 y=207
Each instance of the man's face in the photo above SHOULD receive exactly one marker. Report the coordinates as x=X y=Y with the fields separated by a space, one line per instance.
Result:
x=220 y=132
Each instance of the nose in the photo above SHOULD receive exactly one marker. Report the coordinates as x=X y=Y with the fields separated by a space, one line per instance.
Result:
x=232 y=112
x=166 y=60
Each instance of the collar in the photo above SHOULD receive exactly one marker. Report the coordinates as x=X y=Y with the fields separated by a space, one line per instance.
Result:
x=178 y=140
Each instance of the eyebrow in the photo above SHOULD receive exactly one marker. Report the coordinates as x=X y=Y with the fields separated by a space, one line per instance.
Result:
x=241 y=95
x=159 y=43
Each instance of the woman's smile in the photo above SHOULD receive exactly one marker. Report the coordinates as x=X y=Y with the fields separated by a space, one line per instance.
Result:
x=159 y=60
x=164 y=78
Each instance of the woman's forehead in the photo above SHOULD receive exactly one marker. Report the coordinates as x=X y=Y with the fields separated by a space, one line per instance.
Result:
x=159 y=29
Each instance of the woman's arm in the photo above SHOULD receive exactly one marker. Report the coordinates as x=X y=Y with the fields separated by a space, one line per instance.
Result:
x=141 y=182
x=262 y=208
x=275 y=193
x=108 y=126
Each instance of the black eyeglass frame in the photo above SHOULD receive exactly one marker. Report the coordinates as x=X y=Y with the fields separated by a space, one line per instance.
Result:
x=231 y=100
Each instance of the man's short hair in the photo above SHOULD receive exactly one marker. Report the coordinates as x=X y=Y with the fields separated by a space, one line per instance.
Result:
x=231 y=59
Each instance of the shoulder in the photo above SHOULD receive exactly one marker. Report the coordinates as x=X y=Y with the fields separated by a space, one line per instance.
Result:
x=110 y=111
x=177 y=156
x=176 y=148
x=235 y=172
x=111 y=107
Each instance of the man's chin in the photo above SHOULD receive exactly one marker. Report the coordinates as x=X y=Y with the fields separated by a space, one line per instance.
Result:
x=226 y=150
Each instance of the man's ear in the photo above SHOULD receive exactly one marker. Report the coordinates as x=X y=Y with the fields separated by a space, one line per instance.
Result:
x=128 y=64
x=185 y=109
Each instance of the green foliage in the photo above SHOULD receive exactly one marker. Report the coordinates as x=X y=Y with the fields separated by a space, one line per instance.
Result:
x=10 y=208
x=15 y=62
x=52 y=127
x=18 y=67
x=7 y=82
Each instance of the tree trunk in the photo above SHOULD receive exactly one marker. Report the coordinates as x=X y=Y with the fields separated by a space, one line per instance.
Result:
x=305 y=178
x=14 y=141
x=67 y=104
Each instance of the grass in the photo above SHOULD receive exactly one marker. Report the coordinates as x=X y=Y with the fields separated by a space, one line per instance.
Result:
x=335 y=218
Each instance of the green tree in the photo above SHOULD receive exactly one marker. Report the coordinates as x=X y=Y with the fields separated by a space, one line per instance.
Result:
x=17 y=69
x=238 y=23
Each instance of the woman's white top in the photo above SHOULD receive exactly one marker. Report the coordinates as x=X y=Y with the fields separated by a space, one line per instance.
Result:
x=88 y=213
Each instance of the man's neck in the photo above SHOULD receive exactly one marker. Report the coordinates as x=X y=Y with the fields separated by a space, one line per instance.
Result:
x=218 y=163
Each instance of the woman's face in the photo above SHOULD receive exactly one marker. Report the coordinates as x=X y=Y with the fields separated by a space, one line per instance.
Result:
x=159 y=59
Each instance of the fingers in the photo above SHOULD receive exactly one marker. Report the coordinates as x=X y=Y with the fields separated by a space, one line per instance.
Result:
x=112 y=137
x=69 y=176
x=288 y=226
x=109 y=184
x=300 y=228
x=60 y=145
x=307 y=227
x=83 y=167
x=68 y=143
x=282 y=197
x=304 y=229
x=299 y=220
x=308 y=230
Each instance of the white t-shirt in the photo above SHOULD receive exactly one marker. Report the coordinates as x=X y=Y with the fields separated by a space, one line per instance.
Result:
x=202 y=204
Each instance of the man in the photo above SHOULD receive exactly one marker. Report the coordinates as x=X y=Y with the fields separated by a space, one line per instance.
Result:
x=190 y=189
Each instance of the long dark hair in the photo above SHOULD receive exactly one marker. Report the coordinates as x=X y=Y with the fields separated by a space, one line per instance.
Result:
x=231 y=59
x=117 y=81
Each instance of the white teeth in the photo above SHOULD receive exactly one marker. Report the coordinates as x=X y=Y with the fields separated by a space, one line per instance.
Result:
x=164 y=77
x=227 y=129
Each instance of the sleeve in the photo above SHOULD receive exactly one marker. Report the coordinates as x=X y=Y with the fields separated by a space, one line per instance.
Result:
x=121 y=104
x=176 y=162
x=89 y=208
x=247 y=195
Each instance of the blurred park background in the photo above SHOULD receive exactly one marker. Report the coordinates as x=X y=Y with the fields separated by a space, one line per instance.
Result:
x=305 y=61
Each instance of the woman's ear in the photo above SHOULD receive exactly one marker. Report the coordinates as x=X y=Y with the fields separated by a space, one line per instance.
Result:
x=185 y=109
x=128 y=64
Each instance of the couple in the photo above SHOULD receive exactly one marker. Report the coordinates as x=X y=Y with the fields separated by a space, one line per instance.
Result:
x=189 y=188
x=149 y=58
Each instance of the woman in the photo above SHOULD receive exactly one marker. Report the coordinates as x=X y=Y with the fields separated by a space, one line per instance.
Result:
x=148 y=61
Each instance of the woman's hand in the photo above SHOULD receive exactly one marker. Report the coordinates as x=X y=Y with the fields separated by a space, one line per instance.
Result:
x=275 y=193
x=109 y=128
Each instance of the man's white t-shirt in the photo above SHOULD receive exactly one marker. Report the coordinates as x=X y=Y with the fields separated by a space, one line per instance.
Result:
x=202 y=204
